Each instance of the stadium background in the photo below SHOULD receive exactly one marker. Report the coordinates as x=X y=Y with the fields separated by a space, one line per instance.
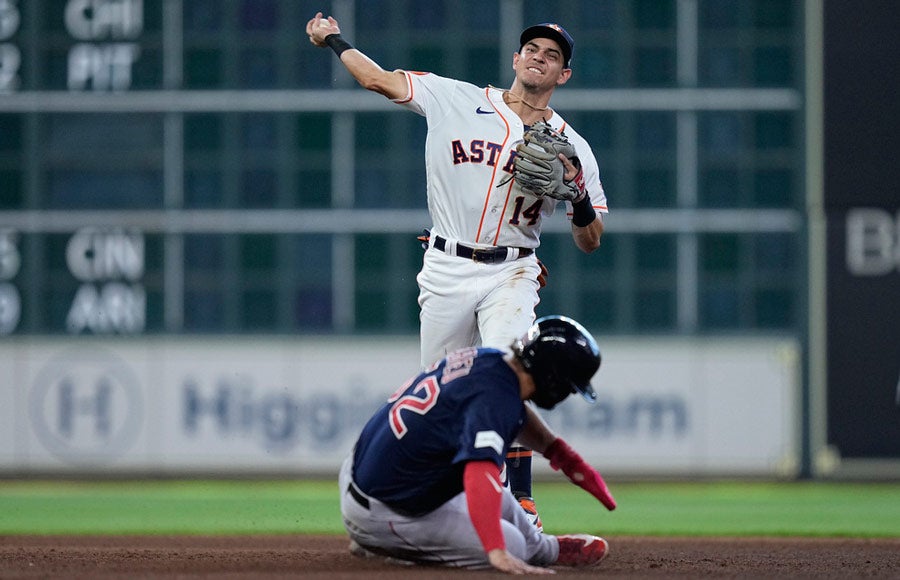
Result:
x=205 y=227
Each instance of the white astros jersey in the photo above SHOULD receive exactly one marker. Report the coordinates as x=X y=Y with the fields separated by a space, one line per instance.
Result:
x=472 y=135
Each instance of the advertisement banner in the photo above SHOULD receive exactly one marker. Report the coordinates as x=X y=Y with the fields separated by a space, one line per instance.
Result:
x=862 y=204
x=864 y=333
x=280 y=406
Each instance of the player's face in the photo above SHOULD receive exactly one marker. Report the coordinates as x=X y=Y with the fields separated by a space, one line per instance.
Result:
x=539 y=65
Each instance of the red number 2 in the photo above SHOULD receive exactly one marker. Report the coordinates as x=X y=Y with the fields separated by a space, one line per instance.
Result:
x=430 y=389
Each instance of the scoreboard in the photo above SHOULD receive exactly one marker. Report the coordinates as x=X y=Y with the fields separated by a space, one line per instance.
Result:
x=107 y=269
x=137 y=138
x=10 y=53
x=54 y=161
x=195 y=166
x=101 y=45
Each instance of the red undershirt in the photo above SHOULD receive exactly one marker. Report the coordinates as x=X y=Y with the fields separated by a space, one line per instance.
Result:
x=481 y=482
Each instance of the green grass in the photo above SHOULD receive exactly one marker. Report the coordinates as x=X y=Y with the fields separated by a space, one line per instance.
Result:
x=311 y=507
x=729 y=509
x=170 y=507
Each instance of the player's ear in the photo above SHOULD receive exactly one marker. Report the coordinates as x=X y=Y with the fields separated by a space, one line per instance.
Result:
x=564 y=76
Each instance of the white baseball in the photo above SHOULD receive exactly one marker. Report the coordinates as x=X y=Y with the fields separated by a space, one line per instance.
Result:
x=324 y=22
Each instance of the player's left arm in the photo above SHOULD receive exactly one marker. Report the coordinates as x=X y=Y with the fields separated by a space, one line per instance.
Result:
x=587 y=238
x=587 y=221
x=537 y=435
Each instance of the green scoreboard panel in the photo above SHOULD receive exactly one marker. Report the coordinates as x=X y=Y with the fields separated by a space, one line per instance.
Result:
x=195 y=166
x=119 y=118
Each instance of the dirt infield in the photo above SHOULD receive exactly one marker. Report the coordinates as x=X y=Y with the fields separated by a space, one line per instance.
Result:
x=270 y=557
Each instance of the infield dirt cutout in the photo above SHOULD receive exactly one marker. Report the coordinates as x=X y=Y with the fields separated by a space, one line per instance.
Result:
x=327 y=557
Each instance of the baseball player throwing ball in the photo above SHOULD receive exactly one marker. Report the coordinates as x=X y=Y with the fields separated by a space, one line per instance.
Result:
x=422 y=484
x=498 y=163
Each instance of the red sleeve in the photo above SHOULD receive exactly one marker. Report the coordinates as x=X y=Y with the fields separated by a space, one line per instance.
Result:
x=481 y=481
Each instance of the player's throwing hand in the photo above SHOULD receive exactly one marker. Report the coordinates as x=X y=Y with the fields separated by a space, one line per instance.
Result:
x=319 y=27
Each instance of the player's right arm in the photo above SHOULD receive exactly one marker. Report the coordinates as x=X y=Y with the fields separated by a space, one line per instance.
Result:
x=481 y=483
x=368 y=73
x=505 y=562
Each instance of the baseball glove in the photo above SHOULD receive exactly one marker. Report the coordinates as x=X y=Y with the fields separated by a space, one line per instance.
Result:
x=538 y=168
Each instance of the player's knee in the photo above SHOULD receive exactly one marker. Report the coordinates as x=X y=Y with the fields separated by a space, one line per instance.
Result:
x=515 y=541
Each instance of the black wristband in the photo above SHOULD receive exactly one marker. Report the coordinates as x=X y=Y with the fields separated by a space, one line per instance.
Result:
x=583 y=213
x=337 y=44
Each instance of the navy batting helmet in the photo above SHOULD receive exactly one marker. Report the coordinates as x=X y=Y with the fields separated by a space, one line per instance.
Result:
x=561 y=356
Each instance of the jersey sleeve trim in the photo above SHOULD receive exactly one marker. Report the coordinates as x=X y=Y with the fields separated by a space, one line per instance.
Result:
x=597 y=208
x=409 y=88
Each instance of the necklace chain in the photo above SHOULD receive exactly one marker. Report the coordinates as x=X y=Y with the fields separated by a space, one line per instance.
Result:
x=521 y=100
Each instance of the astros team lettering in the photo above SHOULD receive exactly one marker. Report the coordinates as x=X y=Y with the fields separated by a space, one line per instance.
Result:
x=480 y=151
